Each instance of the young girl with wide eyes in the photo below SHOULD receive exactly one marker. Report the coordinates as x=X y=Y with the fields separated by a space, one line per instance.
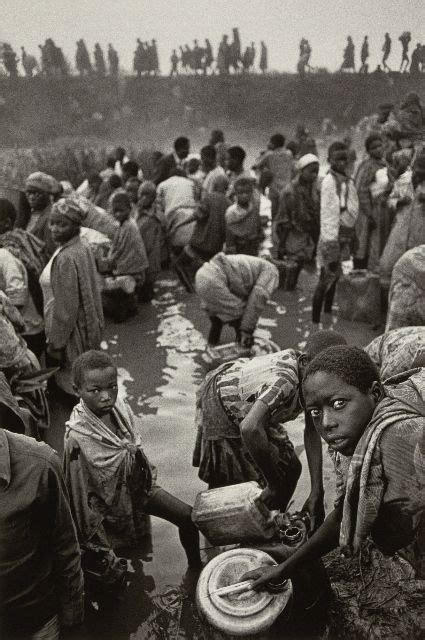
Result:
x=384 y=427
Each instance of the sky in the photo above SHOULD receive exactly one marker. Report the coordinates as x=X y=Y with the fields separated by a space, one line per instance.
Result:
x=280 y=23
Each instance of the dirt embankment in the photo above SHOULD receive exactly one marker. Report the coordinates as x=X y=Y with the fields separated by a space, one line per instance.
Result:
x=40 y=109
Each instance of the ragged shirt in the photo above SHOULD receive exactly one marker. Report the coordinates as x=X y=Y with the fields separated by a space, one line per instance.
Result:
x=39 y=554
x=274 y=379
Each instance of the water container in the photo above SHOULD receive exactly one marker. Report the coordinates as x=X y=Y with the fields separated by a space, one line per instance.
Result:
x=240 y=614
x=234 y=514
x=359 y=297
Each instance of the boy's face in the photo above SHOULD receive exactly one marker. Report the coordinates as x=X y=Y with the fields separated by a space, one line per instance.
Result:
x=340 y=412
x=132 y=187
x=183 y=152
x=232 y=164
x=99 y=390
x=339 y=161
x=5 y=223
x=121 y=213
x=243 y=194
x=146 y=199
x=310 y=172
x=376 y=150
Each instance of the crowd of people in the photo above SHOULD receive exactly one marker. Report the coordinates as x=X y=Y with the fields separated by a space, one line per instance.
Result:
x=230 y=57
x=413 y=65
x=69 y=256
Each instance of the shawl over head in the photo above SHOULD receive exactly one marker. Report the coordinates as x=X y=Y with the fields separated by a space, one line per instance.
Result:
x=69 y=208
x=365 y=482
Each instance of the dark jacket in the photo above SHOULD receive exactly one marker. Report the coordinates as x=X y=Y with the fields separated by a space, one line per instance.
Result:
x=210 y=232
x=164 y=168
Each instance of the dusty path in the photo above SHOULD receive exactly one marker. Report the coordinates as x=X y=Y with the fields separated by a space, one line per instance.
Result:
x=157 y=355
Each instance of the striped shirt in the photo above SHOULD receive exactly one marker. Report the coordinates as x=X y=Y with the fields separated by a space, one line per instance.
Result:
x=274 y=379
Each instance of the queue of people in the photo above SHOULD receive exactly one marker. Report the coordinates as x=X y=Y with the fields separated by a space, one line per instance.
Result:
x=80 y=254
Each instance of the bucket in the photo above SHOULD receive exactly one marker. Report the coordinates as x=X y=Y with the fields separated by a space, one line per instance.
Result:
x=239 y=614
x=234 y=514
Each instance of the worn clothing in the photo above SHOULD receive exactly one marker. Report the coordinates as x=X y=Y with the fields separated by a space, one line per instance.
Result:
x=245 y=173
x=339 y=207
x=243 y=228
x=74 y=321
x=297 y=224
x=280 y=164
x=39 y=554
x=210 y=231
x=176 y=199
x=127 y=255
x=395 y=351
x=408 y=231
x=13 y=350
x=225 y=398
x=234 y=287
x=108 y=477
x=373 y=211
x=402 y=188
x=14 y=283
x=382 y=491
x=406 y=300
x=151 y=224
x=38 y=225
x=209 y=180
x=165 y=168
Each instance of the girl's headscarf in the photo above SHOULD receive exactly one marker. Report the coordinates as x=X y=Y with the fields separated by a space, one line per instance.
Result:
x=70 y=209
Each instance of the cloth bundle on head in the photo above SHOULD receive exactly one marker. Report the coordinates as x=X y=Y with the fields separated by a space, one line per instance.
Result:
x=42 y=182
x=69 y=208
x=304 y=161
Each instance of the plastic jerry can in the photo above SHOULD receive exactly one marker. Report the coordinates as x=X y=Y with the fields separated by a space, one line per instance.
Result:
x=359 y=297
x=234 y=514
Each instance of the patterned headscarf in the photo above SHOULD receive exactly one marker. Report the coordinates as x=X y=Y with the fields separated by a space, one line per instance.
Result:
x=70 y=209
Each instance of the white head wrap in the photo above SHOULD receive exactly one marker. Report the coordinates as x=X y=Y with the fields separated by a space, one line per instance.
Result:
x=304 y=161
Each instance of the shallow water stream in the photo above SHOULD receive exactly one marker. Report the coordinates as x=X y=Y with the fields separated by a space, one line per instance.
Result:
x=158 y=358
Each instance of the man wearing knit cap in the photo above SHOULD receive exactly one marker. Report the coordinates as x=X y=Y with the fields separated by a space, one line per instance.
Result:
x=297 y=224
x=40 y=189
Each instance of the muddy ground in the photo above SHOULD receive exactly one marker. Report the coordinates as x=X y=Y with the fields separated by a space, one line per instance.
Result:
x=158 y=358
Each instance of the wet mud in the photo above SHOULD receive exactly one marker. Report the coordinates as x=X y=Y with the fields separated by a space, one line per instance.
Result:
x=158 y=358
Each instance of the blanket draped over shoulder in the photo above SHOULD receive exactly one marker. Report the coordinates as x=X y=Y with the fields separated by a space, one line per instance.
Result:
x=403 y=407
x=108 y=477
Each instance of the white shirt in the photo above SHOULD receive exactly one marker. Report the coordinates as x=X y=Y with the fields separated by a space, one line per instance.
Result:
x=208 y=183
x=174 y=193
x=331 y=205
